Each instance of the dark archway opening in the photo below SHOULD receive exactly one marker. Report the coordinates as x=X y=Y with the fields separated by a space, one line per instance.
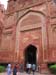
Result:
x=30 y=54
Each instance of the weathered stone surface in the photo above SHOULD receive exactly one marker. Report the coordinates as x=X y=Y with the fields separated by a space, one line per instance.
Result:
x=29 y=22
x=2 y=16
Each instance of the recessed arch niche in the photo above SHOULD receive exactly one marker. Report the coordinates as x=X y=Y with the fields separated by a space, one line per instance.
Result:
x=30 y=21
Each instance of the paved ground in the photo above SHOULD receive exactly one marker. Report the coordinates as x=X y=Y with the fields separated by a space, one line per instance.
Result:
x=25 y=74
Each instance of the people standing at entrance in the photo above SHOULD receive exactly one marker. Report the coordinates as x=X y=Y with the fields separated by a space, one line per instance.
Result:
x=9 y=70
x=33 y=68
x=28 y=66
x=21 y=67
x=15 y=70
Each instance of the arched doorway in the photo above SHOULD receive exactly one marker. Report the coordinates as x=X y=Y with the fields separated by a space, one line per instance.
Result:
x=30 y=54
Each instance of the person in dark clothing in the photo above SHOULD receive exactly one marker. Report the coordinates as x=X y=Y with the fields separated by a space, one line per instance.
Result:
x=15 y=71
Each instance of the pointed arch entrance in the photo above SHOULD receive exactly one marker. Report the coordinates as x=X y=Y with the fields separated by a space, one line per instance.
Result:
x=30 y=54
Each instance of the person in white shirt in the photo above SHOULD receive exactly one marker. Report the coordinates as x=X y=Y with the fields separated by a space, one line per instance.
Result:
x=28 y=66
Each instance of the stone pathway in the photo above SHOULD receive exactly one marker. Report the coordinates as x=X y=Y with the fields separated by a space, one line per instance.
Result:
x=24 y=74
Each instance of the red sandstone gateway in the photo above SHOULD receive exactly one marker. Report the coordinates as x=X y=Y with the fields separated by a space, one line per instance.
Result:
x=29 y=33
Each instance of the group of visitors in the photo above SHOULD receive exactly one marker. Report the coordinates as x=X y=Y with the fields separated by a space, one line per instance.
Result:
x=30 y=67
x=9 y=70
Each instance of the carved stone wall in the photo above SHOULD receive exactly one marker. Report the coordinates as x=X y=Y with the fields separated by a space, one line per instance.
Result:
x=29 y=22
x=2 y=16
x=51 y=31
x=22 y=4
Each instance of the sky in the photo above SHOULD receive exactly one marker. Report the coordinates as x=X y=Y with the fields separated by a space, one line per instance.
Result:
x=4 y=2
